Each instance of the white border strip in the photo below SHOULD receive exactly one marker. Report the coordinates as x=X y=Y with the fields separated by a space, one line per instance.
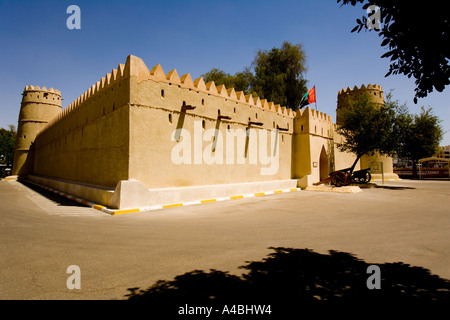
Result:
x=158 y=207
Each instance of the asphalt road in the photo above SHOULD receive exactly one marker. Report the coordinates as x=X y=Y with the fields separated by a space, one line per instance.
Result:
x=40 y=237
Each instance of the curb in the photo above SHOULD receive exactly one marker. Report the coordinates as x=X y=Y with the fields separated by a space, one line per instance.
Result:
x=8 y=179
x=157 y=207
x=326 y=188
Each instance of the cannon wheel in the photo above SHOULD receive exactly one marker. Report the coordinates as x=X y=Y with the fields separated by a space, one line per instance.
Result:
x=338 y=179
x=368 y=177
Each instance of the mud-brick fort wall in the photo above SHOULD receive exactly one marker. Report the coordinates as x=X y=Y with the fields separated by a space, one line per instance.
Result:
x=313 y=154
x=187 y=133
x=137 y=124
x=88 y=142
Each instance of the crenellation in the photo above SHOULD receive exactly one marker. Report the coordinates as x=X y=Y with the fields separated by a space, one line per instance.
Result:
x=173 y=77
x=186 y=81
x=248 y=98
x=257 y=102
x=240 y=97
x=222 y=91
x=113 y=76
x=120 y=71
x=199 y=84
x=157 y=73
x=211 y=88
x=288 y=111
x=231 y=93
x=108 y=79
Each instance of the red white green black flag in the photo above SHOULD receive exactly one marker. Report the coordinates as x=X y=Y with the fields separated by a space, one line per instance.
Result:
x=308 y=98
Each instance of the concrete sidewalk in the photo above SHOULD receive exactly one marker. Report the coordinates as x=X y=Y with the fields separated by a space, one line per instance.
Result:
x=404 y=221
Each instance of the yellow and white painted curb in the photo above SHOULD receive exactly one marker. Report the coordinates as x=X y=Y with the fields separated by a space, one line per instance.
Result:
x=158 y=207
x=189 y=203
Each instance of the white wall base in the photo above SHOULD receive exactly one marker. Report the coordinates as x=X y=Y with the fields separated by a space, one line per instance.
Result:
x=130 y=194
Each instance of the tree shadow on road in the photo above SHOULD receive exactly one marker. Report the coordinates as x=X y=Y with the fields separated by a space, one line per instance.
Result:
x=289 y=278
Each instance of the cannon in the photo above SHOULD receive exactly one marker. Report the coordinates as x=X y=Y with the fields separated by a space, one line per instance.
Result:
x=347 y=176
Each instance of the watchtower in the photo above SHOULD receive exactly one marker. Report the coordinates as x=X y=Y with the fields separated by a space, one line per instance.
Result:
x=374 y=92
x=381 y=166
x=38 y=107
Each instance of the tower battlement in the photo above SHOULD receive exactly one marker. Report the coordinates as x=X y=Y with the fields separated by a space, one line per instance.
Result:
x=363 y=87
x=373 y=91
x=310 y=121
x=37 y=89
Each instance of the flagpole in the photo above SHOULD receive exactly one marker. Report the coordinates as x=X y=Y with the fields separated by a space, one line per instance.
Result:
x=316 y=96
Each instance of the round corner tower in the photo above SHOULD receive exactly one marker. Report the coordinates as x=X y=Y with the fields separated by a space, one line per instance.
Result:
x=374 y=92
x=38 y=108
x=381 y=166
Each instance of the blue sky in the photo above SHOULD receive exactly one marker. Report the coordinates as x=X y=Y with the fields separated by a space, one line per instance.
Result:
x=191 y=36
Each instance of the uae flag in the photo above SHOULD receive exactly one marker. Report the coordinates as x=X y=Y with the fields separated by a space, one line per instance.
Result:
x=309 y=97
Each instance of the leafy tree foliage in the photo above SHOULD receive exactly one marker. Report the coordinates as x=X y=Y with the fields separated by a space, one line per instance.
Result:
x=419 y=136
x=278 y=75
x=417 y=36
x=7 y=142
x=368 y=128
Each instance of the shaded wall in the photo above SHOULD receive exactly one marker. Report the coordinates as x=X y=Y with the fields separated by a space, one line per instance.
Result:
x=89 y=142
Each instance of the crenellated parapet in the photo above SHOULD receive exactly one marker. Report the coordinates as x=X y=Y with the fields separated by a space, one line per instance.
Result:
x=314 y=122
x=374 y=91
x=104 y=86
x=35 y=93
x=373 y=87
x=134 y=66
x=157 y=74
x=118 y=80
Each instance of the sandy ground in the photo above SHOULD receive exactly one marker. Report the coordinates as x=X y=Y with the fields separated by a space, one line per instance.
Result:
x=40 y=237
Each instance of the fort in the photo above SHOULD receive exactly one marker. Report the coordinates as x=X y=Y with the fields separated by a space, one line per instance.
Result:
x=139 y=137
